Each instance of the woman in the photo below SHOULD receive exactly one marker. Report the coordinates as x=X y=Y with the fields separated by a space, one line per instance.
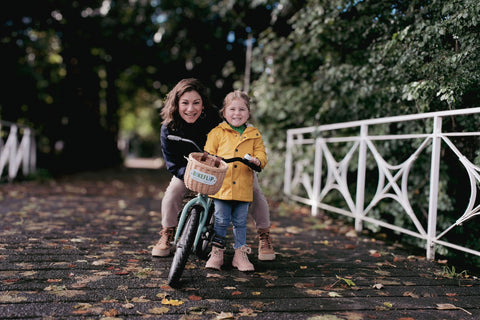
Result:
x=188 y=113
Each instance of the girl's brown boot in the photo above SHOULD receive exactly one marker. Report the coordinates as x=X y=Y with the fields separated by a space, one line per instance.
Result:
x=240 y=259
x=216 y=258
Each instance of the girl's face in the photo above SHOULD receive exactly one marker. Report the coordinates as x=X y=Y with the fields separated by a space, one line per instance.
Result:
x=236 y=113
x=190 y=106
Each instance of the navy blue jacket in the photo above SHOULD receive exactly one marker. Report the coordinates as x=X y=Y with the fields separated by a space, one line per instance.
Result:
x=174 y=152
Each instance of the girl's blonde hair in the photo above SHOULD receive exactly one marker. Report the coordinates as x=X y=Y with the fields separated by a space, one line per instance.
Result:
x=236 y=95
x=169 y=113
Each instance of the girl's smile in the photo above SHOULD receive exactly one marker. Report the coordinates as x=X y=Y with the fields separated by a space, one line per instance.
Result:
x=236 y=113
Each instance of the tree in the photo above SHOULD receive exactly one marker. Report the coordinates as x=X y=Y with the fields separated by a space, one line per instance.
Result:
x=353 y=60
x=349 y=60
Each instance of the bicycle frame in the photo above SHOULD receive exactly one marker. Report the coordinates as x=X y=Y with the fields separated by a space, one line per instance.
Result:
x=202 y=200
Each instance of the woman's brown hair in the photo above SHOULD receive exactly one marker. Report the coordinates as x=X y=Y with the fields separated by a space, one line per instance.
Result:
x=169 y=112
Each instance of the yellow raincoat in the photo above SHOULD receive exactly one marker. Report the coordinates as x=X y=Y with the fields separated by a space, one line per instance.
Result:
x=225 y=142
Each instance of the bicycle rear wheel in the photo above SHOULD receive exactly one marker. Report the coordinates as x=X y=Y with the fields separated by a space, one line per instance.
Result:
x=184 y=246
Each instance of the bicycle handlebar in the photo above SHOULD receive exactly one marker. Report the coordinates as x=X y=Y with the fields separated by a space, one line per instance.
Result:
x=246 y=162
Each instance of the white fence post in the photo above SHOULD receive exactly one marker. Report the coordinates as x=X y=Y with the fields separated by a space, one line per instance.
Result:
x=362 y=167
x=13 y=154
x=434 y=178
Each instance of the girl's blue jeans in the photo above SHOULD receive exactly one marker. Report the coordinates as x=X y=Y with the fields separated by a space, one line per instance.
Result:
x=236 y=212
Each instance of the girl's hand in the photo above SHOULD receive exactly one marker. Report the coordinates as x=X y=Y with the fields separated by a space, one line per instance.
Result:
x=255 y=161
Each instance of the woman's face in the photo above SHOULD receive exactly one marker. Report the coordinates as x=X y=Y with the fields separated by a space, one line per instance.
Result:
x=190 y=106
x=236 y=113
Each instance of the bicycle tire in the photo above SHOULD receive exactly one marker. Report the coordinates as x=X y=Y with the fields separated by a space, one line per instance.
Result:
x=184 y=247
x=203 y=247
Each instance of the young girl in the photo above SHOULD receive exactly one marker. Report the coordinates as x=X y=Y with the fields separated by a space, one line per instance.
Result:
x=234 y=138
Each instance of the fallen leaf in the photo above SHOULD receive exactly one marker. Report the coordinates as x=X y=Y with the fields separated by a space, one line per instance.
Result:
x=236 y=293
x=142 y=299
x=194 y=298
x=448 y=306
x=410 y=294
x=224 y=315
x=172 y=302
x=303 y=285
x=334 y=294
x=378 y=286
x=111 y=313
x=315 y=292
x=161 y=310
x=214 y=275
x=246 y=312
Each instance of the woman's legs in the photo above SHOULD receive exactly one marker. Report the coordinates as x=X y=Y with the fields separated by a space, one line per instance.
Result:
x=259 y=207
x=171 y=206
x=261 y=214
x=172 y=202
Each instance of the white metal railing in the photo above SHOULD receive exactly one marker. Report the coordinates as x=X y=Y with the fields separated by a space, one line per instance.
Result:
x=358 y=144
x=14 y=154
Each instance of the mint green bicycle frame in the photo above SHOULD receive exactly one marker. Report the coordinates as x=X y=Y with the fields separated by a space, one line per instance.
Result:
x=202 y=200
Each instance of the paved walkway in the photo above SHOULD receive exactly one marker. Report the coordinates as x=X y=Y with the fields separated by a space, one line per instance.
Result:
x=79 y=248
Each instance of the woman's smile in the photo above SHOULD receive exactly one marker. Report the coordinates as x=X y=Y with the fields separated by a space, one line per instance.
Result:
x=190 y=106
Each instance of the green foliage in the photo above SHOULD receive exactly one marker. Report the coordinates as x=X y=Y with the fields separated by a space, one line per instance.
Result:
x=352 y=60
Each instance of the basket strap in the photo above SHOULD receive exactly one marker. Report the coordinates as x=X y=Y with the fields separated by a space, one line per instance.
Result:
x=217 y=161
x=204 y=156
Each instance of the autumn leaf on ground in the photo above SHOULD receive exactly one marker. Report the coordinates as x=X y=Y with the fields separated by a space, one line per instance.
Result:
x=334 y=294
x=161 y=310
x=303 y=285
x=224 y=315
x=315 y=292
x=378 y=286
x=140 y=299
x=197 y=310
x=11 y=298
x=375 y=254
x=194 y=298
x=172 y=302
x=247 y=312
x=111 y=313
x=410 y=294
x=83 y=306
x=448 y=306
x=349 y=282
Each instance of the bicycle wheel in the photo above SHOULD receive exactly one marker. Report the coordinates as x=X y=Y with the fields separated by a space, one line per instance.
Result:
x=203 y=247
x=184 y=247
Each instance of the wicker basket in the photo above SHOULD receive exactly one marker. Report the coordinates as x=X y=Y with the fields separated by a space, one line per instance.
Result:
x=201 y=174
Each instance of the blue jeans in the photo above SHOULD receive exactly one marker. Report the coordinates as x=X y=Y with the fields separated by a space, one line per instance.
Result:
x=236 y=212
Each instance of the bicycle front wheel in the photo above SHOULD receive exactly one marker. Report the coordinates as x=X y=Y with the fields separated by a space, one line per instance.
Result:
x=184 y=246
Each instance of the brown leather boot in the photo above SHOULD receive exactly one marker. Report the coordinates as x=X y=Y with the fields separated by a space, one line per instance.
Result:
x=265 y=248
x=164 y=245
